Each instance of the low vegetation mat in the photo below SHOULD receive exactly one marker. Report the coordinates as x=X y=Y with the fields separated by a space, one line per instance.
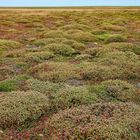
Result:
x=70 y=74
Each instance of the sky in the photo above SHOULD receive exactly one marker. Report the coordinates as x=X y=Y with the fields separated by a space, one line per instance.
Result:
x=69 y=2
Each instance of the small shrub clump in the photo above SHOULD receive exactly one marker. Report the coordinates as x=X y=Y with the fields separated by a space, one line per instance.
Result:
x=83 y=57
x=55 y=71
x=5 y=72
x=13 y=84
x=122 y=90
x=45 y=87
x=70 y=96
x=116 y=90
x=15 y=53
x=55 y=34
x=118 y=58
x=78 y=46
x=115 y=38
x=111 y=27
x=8 y=44
x=61 y=49
x=92 y=51
x=18 y=107
x=75 y=26
x=96 y=72
x=47 y=41
x=112 y=121
x=80 y=36
x=127 y=63
x=125 y=47
x=38 y=56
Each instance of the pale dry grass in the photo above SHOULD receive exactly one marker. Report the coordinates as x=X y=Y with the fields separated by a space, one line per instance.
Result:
x=43 y=11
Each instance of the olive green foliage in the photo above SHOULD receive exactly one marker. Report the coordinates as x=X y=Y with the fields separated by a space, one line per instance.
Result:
x=109 y=66
x=122 y=89
x=61 y=49
x=111 y=27
x=112 y=121
x=8 y=44
x=125 y=47
x=63 y=95
x=81 y=27
x=44 y=87
x=55 y=71
x=97 y=72
x=17 y=107
x=47 y=41
x=38 y=56
x=116 y=90
x=81 y=36
x=85 y=57
x=71 y=96
x=12 y=84
x=15 y=53
x=74 y=44
x=55 y=34
x=115 y=38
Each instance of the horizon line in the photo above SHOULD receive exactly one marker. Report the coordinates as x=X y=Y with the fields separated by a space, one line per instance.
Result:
x=73 y=6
